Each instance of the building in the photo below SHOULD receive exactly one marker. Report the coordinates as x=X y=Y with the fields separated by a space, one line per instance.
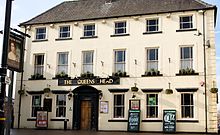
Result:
x=90 y=61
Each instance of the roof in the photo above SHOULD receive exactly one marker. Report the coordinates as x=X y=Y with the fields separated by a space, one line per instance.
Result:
x=78 y=10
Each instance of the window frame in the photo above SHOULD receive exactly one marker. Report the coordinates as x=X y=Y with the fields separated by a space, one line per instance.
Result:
x=125 y=28
x=152 y=61
x=87 y=64
x=191 y=22
x=33 y=113
x=64 y=106
x=41 y=66
x=191 y=60
x=67 y=32
x=67 y=64
x=193 y=105
x=156 y=25
x=37 y=34
x=122 y=106
x=156 y=106
x=123 y=62
x=92 y=30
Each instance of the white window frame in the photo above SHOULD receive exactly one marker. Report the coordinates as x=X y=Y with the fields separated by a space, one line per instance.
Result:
x=93 y=30
x=58 y=105
x=35 y=106
x=65 y=65
x=194 y=109
x=37 y=34
x=152 y=106
x=124 y=28
x=123 y=62
x=150 y=61
x=191 y=60
x=84 y=64
x=158 y=25
x=39 y=66
x=68 y=32
x=191 y=22
x=123 y=106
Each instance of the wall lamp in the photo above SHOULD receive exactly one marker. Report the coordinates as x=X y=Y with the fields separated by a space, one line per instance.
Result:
x=70 y=95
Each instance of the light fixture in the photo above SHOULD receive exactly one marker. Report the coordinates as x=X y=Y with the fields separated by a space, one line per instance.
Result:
x=169 y=90
x=100 y=95
x=76 y=23
x=135 y=88
x=70 y=95
x=102 y=63
x=136 y=18
x=103 y=21
x=74 y=64
x=52 y=25
x=168 y=15
x=208 y=43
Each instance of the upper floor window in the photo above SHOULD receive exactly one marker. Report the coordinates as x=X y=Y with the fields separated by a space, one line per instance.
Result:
x=186 y=22
x=152 y=25
x=120 y=27
x=62 y=66
x=119 y=61
x=89 y=30
x=39 y=64
x=187 y=105
x=64 y=32
x=119 y=106
x=87 y=62
x=36 y=105
x=186 y=58
x=152 y=59
x=61 y=105
x=152 y=106
x=41 y=33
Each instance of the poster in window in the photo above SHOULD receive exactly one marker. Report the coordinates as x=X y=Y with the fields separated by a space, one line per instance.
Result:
x=152 y=100
x=134 y=104
x=42 y=119
x=104 y=107
x=15 y=52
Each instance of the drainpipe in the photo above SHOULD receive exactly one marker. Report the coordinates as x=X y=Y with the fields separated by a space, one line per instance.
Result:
x=205 y=76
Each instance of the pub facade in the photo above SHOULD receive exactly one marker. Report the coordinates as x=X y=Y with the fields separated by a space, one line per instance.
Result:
x=94 y=64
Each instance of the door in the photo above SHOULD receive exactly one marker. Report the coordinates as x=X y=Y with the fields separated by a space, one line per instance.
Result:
x=85 y=115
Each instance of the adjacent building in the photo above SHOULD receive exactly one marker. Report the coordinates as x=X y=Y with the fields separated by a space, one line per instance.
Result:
x=89 y=62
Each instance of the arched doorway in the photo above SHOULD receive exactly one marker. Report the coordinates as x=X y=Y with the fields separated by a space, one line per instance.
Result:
x=85 y=108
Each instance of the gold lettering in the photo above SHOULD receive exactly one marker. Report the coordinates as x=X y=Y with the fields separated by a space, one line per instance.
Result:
x=102 y=81
x=67 y=82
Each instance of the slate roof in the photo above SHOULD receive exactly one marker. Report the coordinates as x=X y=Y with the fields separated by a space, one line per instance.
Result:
x=97 y=9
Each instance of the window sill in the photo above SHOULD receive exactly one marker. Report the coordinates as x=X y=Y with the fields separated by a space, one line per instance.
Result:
x=61 y=78
x=40 y=40
x=152 y=120
x=183 y=30
x=152 y=75
x=37 y=79
x=152 y=32
x=32 y=119
x=188 y=121
x=119 y=35
x=58 y=119
x=88 y=37
x=60 y=39
x=118 y=120
x=187 y=74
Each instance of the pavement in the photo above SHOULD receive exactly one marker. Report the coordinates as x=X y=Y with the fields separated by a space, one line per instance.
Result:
x=80 y=132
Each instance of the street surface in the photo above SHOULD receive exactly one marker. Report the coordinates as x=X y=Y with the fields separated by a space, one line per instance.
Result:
x=73 y=132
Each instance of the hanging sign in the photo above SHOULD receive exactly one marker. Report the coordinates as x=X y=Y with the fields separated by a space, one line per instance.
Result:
x=169 y=121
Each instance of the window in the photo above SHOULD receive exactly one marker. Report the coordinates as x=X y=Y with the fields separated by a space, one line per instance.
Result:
x=119 y=106
x=187 y=105
x=61 y=105
x=88 y=62
x=64 y=31
x=152 y=106
x=62 y=66
x=36 y=105
x=152 y=25
x=186 y=58
x=40 y=33
x=89 y=30
x=152 y=59
x=120 y=28
x=186 y=22
x=119 y=61
x=39 y=64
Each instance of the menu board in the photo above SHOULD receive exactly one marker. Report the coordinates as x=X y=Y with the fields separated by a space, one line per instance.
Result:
x=169 y=121
x=133 y=120
x=42 y=120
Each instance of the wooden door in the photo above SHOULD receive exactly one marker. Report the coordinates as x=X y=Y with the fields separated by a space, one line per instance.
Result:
x=85 y=115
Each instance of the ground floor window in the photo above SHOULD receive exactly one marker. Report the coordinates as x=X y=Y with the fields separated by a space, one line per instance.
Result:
x=61 y=105
x=152 y=106
x=36 y=105
x=187 y=105
x=119 y=106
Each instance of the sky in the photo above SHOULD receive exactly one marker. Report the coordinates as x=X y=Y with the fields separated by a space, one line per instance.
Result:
x=23 y=10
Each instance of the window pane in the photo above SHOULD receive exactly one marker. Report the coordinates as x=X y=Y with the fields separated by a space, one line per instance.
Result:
x=120 y=27
x=61 y=105
x=187 y=105
x=119 y=106
x=186 y=22
x=88 y=62
x=40 y=33
x=120 y=61
x=89 y=30
x=152 y=105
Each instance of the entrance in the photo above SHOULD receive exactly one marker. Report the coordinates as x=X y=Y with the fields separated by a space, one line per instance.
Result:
x=85 y=115
x=85 y=108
